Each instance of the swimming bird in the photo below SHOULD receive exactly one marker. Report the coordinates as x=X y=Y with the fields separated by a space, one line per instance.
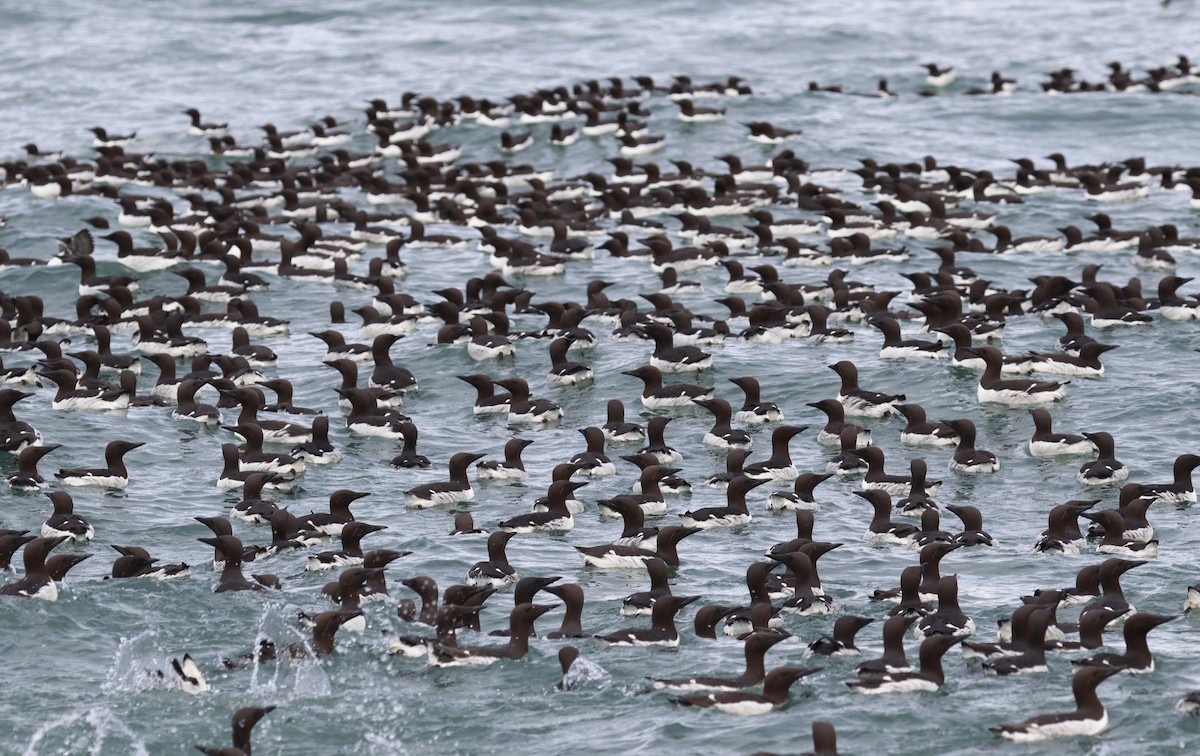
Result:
x=779 y=466
x=723 y=434
x=232 y=476
x=616 y=429
x=1046 y=443
x=37 y=581
x=622 y=556
x=495 y=572
x=802 y=496
x=939 y=76
x=448 y=618
x=593 y=462
x=556 y=518
x=427 y=590
x=882 y=529
x=1137 y=658
x=512 y=468
x=386 y=374
x=734 y=513
x=137 y=562
x=524 y=409
x=1111 y=596
x=232 y=578
x=918 y=501
x=656 y=442
x=1132 y=505
x=929 y=676
x=253 y=458
x=858 y=402
x=252 y=401
x=1062 y=535
x=520 y=625
x=895 y=347
x=755 y=648
x=764 y=132
x=351 y=553
x=842 y=641
x=1089 y=717
x=669 y=358
x=71 y=396
x=949 y=618
x=1180 y=489
x=662 y=631
x=1013 y=391
x=200 y=127
x=244 y=720
x=187 y=408
x=655 y=395
x=1115 y=541
x=113 y=475
x=893 y=658
x=572 y=597
x=690 y=112
x=775 y=692
x=10 y=541
x=967 y=458
x=221 y=526
x=807 y=596
x=1106 y=468
x=836 y=422
x=456 y=489
x=64 y=522
x=1029 y=653
x=564 y=372
x=368 y=418
x=339 y=515
x=972 y=533
x=60 y=564
x=27 y=477
x=876 y=477
x=643 y=602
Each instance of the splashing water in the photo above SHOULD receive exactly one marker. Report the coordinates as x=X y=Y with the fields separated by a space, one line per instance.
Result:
x=85 y=732
x=586 y=673
x=139 y=664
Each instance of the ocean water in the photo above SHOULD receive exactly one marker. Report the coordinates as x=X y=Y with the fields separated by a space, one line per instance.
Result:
x=79 y=671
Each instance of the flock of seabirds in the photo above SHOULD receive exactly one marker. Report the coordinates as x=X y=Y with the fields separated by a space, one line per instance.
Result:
x=302 y=205
x=1177 y=77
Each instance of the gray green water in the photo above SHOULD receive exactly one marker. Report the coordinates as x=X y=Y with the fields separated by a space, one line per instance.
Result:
x=74 y=669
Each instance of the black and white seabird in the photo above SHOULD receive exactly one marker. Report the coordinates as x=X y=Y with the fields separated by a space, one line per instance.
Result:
x=113 y=475
x=511 y=468
x=37 y=582
x=775 y=692
x=27 y=477
x=495 y=572
x=662 y=630
x=1137 y=658
x=1089 y=717
x=1046 y=443
x=755 y=649
x=244 y=720
x=858 y=402
x=968 y=459
x=779 y=467
x=453 y=491
x=520 y=626
x=64 y=522
x=1012 y=391
x=929 y=676
x=137 y=562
